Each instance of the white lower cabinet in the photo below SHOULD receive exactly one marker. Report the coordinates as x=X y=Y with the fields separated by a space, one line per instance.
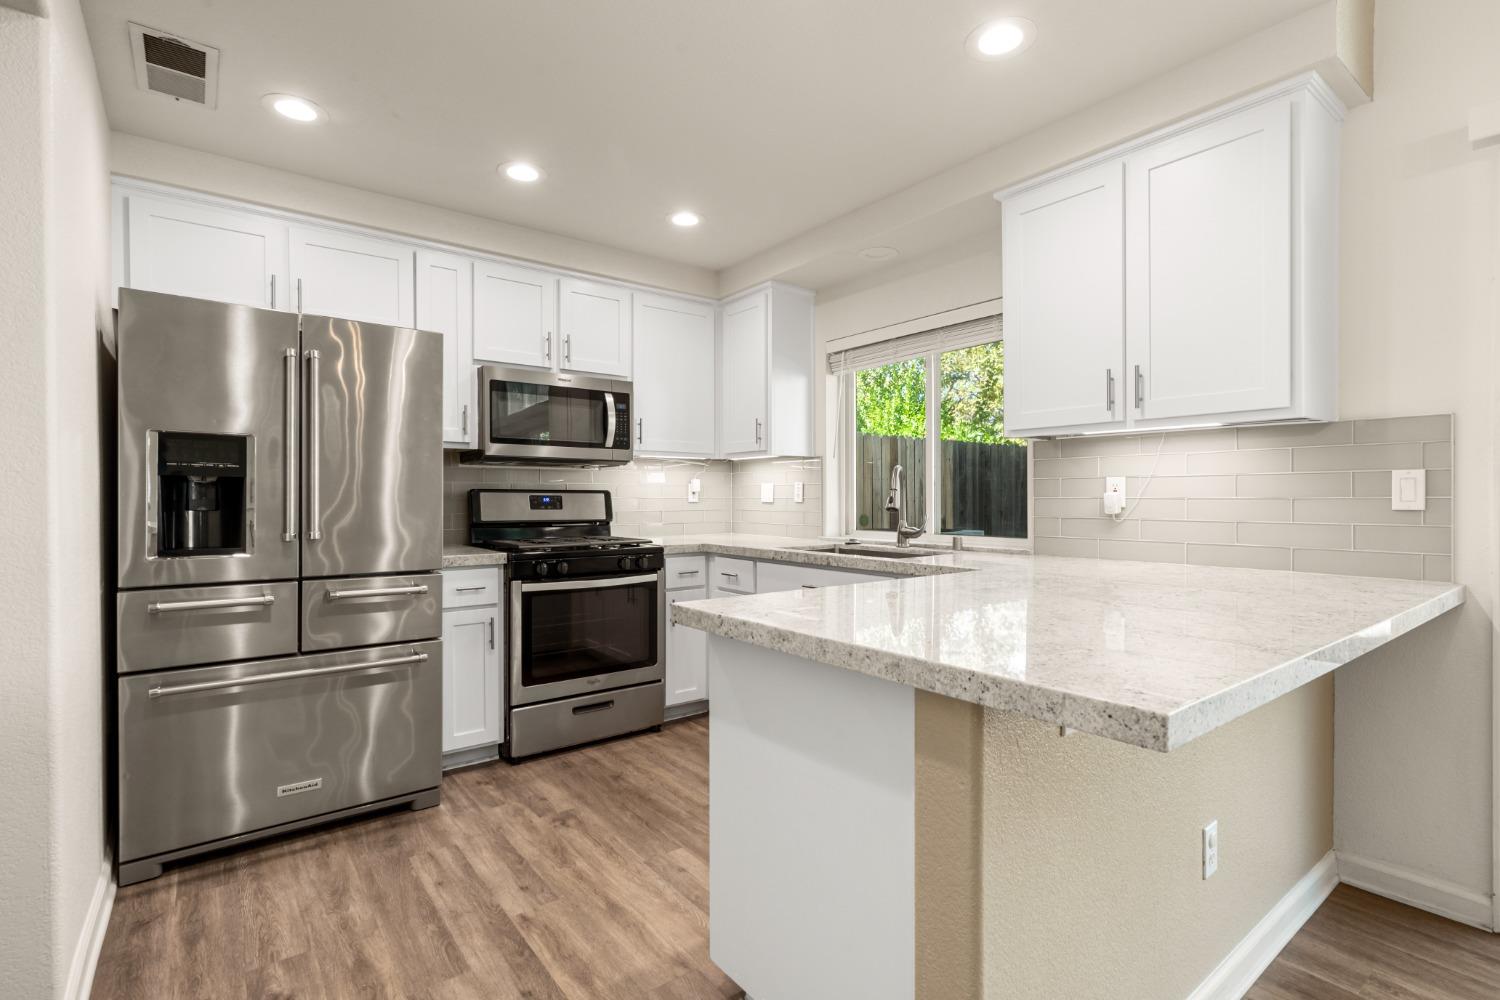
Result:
x=687 y=655
x=473 y=681
x=771 y=577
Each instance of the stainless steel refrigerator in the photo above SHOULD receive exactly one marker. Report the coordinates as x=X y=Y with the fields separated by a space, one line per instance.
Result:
x=279 y=608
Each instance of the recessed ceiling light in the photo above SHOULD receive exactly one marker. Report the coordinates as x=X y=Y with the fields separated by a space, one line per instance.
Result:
x=298 y=109
x=879 y=253
x=519 y=170
x=685 y=218
x=1002 y=37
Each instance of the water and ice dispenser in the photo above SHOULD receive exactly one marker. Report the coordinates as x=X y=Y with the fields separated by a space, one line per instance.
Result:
x=204 y=496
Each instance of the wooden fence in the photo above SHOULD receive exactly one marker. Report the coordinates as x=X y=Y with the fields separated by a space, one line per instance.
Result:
x=983 y=485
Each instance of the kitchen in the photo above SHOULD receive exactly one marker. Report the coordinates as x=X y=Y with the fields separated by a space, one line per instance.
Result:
x=555 y=463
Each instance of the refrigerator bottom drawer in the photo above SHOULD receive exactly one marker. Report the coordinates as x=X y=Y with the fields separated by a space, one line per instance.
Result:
x=217 y=752
x=571 y=721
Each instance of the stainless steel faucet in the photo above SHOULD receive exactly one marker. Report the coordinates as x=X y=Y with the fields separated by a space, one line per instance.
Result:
x=904 y=532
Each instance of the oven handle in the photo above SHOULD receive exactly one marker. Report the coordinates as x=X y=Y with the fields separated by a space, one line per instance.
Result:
x=609 y=420
x=593 y=584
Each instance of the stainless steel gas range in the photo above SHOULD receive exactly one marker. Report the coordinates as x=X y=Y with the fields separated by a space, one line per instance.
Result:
x=587 y=614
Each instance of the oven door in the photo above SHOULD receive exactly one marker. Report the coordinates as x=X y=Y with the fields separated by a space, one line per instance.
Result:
x=529 y=416
x=570 y=637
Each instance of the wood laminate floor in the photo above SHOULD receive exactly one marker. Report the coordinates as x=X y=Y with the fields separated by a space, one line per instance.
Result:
x=1360 y=946
x=580 y=876
x=584 y=876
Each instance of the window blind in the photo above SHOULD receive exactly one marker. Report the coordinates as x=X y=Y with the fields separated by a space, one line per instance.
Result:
x=969 y=333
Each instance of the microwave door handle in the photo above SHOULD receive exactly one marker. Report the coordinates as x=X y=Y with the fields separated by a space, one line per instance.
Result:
x=314 y=434
x=609 y=420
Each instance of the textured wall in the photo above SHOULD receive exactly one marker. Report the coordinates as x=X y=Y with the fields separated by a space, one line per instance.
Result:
x=1093 y=885
x=783 y=516
x=1313 y=498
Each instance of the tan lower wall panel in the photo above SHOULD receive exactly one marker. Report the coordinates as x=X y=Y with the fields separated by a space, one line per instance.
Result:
x=949 y=741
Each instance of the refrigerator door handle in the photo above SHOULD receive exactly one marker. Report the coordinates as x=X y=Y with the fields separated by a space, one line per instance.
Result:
x=289 y=534
x=314 y=435
x=160 y=691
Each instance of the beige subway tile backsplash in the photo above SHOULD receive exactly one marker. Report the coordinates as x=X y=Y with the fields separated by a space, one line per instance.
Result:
x=1309 y=497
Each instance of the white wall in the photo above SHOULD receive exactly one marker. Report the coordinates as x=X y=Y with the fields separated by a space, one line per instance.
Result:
x=1420 y=229
x=54 y=213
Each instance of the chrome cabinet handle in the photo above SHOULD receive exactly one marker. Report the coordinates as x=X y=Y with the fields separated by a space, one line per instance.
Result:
x=1109 y=389
x=672 y=622
x=810 y=586
x=409 y=591
x=273 y=291
x=289 y=511
x=690 y=572
x=757 y=430
x=568 y=349
x=490 y=625
x=1140 y=389
x=640 y=430
x=469 y=590
x=547 y=340
x=314 y=435
x=464 y=426
x=164 y=607
x=734 y=576
x=284 y=675
x=299 y=296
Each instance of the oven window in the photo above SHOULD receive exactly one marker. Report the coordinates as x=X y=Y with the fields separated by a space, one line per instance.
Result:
x=528 y=413
x=568 y=634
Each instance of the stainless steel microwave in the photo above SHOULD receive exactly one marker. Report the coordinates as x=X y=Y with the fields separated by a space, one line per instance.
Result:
x=529 y=417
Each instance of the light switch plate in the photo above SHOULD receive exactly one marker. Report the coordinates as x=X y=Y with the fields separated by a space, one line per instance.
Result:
x=797 y=493
x=1408 y=489
x=767 y=492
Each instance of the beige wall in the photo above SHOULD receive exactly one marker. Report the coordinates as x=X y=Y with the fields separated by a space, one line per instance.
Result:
x=1093 y=886
x=149 y=160
x=53 y=278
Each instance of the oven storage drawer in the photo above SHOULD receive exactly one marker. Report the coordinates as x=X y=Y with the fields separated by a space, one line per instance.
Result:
x=365 y=611
x=570 y=721
x=221 y=751
x=186 y=626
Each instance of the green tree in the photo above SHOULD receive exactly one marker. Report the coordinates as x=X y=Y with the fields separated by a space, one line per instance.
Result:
x=891 y=401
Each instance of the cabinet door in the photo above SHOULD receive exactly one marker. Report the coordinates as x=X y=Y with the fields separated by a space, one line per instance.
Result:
x=207 y=253
x=353 y=277
x=674 y=382
x=687 y=655
x=515 y=314
x=746 y=338
x=473 y=697
x=1209 y=260
x=596 y=328
x=445 y=304
x=1063 y=263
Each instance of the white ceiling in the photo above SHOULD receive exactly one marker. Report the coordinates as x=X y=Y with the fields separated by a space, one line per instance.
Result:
x=768 y=117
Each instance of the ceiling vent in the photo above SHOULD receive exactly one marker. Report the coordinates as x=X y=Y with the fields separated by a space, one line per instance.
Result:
x=182 y=69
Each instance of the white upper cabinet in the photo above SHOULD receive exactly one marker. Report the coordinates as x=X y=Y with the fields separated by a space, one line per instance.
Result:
x=1223 y=305
x=674 y=380
x=766 y=373
x=445 y=304
x=1210 y=295
x=515 y=315
x=206 y=252
x=1063 y=259
x=595 y=325
x=353 y=277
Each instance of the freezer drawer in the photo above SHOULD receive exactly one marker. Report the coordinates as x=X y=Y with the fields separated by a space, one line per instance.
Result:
x=221 y=751
x=368 y=610
x=570 y=721
x=186 y=626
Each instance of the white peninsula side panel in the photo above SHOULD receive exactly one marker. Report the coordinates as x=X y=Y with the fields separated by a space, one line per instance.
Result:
x=811 y=827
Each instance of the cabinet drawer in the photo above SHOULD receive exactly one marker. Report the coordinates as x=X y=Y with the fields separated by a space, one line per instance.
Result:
x=686 y=571
x=471 y=588
x=185 y=626
x=728 y=573
x=363 y=611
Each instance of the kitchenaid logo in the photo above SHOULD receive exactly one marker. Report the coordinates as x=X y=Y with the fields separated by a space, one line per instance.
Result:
x=298 y=786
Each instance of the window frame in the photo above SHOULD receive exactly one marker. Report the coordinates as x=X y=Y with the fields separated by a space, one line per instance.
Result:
x=932 y=485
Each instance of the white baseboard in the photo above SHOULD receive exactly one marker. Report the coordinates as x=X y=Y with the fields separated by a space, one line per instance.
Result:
x=91 y=936
x=1406 y=885
x=1242 y=966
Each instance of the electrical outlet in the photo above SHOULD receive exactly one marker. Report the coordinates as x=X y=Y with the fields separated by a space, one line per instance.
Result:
x=797 y=493
x=767 y=492
x=695 y=487
x=1114 y=494
x=1210 y=849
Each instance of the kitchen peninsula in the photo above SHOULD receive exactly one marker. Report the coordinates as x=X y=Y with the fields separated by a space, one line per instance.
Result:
x=947 y=785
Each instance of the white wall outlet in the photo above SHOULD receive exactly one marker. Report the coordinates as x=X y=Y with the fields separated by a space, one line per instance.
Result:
x=1114 y=494
x=1210 y=849
x=767 y=492
x=695 y=487
x=1408 y=489
x=798 y=495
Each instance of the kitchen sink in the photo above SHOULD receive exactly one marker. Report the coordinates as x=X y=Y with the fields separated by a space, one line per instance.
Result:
x=879 y=551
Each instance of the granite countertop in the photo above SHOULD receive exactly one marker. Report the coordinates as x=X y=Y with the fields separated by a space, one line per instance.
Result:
x=1149 y=654
x=458 y=556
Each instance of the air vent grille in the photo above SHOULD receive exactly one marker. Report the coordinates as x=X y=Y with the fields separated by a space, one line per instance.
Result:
x=175 y=66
